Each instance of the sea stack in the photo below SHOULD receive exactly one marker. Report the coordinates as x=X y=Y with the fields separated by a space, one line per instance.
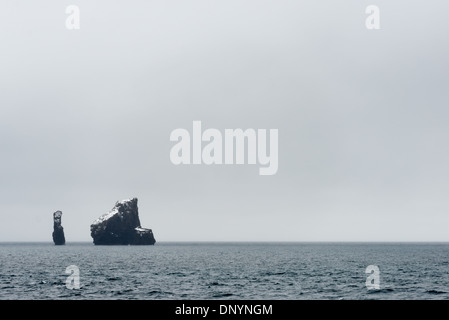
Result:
x=58 y=230
x=121 y=226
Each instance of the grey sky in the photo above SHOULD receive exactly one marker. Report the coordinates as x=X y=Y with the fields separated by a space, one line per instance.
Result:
x=86 y=115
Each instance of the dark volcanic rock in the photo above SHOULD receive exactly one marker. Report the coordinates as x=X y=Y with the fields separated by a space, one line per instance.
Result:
x=58 y=230
x=121 y=226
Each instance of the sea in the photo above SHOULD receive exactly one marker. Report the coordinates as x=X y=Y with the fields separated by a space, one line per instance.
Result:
x=247 y=271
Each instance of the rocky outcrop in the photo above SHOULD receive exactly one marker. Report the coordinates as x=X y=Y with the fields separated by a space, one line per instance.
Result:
x=58 y=230
x=121 y=226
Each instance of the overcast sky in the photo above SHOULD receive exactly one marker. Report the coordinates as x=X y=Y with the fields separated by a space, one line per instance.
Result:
x=363 y=118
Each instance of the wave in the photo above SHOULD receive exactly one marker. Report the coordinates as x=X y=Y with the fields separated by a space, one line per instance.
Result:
x=385 y=290
x=221 y=295
x=435 y=292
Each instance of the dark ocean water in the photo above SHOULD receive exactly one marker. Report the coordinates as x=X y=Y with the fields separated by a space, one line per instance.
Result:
x=278 y=271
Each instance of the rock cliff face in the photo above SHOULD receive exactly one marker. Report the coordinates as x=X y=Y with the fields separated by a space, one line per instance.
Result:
x=121 y=226
x=58 y=230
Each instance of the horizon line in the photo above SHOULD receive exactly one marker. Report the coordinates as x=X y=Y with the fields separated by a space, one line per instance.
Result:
x=248 y=241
